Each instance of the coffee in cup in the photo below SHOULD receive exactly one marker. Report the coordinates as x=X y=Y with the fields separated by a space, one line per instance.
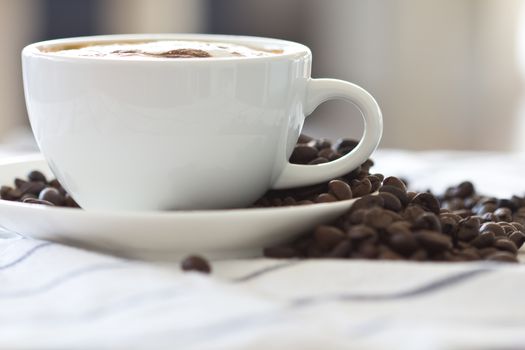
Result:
x=163 y=49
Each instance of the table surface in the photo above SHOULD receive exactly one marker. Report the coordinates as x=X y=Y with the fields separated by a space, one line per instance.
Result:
x=59 y=297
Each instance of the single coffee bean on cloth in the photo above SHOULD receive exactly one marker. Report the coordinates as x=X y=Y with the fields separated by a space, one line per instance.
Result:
x=195 y=263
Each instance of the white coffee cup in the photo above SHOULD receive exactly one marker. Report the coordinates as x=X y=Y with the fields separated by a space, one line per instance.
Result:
x=158 y=134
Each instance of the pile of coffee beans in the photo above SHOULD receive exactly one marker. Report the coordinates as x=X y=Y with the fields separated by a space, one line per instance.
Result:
x=397 y=224
x=392 y=224
x=357 y=183
x=36 y=189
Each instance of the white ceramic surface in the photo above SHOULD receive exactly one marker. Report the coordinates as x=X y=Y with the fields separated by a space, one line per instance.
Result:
x=158 y=235
x=139 y=134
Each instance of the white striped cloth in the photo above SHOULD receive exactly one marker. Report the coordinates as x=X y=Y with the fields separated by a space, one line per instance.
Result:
x=57 y=297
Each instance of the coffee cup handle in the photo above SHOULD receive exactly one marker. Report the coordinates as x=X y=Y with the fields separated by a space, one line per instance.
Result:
x=317 y=92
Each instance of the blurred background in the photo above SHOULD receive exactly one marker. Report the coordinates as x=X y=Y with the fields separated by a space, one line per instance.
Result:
x=448 y=74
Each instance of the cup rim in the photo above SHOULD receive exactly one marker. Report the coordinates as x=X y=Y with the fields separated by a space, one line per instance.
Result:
x=291 y=49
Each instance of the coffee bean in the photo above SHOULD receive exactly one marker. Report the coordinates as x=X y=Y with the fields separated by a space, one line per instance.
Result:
x=464 y=190
x=325 y=198
x=470 y=254
x=340 y=189
x=354 y=174
x=518 y=238
x=492 y=227
x=391 y=202
x=486 y=208
x=52 y=195
x=326 y=153
x=485 y=252
x=344 y=146
x=503 y=257
x=517 y=218
x=427 y=201
x=375 y=182
x=367 y=202
x=313 y=251
x=485 y=200
x=54 y=183
x=367 y=164
x=381 y=177
x=321 y=144
x=27 y=196
x=449 y=223
x=470 y=202
x=335 y=156
x=395 y=216
x=518 y=226
x=361 y=232
x=37 y=201
x=487 y=217
x=357 y=216
x=468 y=228
x=399 y=227
x=304 y=138
x=506 y=203
x=386 y=253
x=367 y=251
x=14 y=194
x=455 y=204
x=70 y=202
x=394 y=181
x=262 y=202
x=302 y=193
x=19 y=182
x=411 y=195
x=5 y=193
x=405 y=244
x=196 y=263
x=327 y=237
x=506 y=244
x=377 y=218
x=277 y=202
x=412 y=212
x=34 y=187
x=503 y=214
x=517 y=202
x=36 y=175
x=433 y=242
x=399 y=193
x=484 y=240
x=419 y=255
x=427 y=221
x=302 y=154
x=341 y=250
x=507 y=227
x=318 y=160
x=4 y=190
x=304 y=202
x=360 y=187
x=463 y=213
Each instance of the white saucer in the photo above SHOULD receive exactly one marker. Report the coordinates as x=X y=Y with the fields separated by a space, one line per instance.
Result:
x=158 y=235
